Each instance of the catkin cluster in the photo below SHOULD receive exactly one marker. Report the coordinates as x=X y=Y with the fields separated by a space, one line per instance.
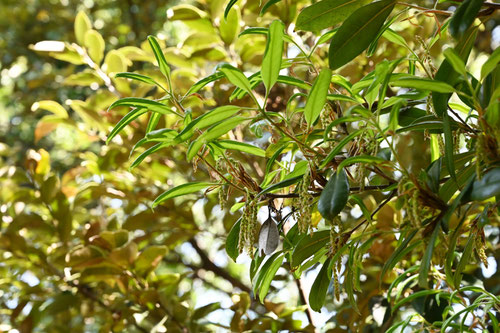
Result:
x=249 y=225
x=304 y=204
x=480 y=244
x=335 y=246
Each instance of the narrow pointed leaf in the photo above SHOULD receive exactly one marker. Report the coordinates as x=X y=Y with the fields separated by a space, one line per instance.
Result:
x=358 y=31
x=137 y=77
x=241 y=146
x=317 y=96
x=271 y=64
x=160 y=57
x=148 y=152
x=232 y=241
x=426 y=259
x=129 y=117
x=180 y=190
x=423 y=84
x=268 y=278
x=463 y=17
x=319 y=287
x=207 y=119
x=137 y=102
x=334 y=196
x=228 y=7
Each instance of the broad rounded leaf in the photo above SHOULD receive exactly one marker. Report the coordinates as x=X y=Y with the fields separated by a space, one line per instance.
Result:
x=82 y=24
x=95 y=45
x=334 y=196
x=486 y=187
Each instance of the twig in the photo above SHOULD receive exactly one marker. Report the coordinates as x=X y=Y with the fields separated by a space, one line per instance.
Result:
x=302 y=297
x=317 y=194
x=373 y=213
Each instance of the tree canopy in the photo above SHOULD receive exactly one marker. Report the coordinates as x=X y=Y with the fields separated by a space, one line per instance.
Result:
x=213 y=166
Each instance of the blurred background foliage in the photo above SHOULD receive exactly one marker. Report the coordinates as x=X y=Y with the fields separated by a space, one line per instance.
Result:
x=80 y=248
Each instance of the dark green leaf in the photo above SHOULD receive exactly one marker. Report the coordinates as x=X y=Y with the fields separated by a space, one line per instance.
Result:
x=423 y=276
x=267 y=5
x=334 y=196
x=319 y=287
x=486 y=187
x=463 y=17
x=358 y=31
x=327 y=13
x=232 y=241
x=309 y=245
x=228 y=7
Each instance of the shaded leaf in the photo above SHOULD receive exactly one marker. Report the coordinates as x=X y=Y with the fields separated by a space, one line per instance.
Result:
x=334 y=196
x=180 y=190
x=463 y=17
x=357 y=32
x=319 y=287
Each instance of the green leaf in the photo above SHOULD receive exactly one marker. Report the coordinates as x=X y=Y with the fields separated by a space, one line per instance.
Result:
x=150 y=258
x=327 y=13
x=335 y=151
x=357 y=32
x=207 y=119
x=486 y=187
x=137 y=102
x=203 y=311
x=228 y=7
x=361 y=159
x=267 y=5
x=464 y=259
x=284 y=183
x=82 y=25
x=309 y=245
x=148 y=152
x=115 y=62
x=271 y=64
x=137 y=77
x=334 y=196
x=397 y=254
x=160 y=57
x=455 y=61
x=232 y=241
x=230 y=26
x=163 y=134
x=423 y=84
x=236 y=77
x=241 y=146
x=262 y=272
x=129 y=117
x=95 y=45
x=463 y=17
x=491 y=63
x=51 y=106
x=180 y=190
x=153 y=122
x=203 y=82
x=426 y=259
x=317 y=96
x=213 y=133
x=319 y=287
x=271 y=272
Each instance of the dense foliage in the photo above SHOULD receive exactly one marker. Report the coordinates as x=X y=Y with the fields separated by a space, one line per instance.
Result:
x=353 y=173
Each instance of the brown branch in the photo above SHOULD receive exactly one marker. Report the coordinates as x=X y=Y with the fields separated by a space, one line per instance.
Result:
x=317 y=194
x=302 y=297
x=208 y=265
